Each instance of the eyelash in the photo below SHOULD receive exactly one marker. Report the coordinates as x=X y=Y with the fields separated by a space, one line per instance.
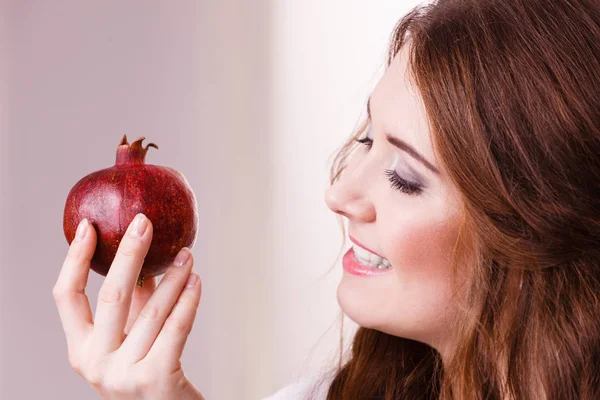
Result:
x=396 y=181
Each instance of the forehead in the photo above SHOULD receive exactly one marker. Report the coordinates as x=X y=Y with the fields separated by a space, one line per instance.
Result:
x=397 y=108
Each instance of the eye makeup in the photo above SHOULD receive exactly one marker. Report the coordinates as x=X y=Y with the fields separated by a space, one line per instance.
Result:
x=408 y=186
x=396 y=181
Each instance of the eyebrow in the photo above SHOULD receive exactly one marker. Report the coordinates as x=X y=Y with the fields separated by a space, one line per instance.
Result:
x=402 y=145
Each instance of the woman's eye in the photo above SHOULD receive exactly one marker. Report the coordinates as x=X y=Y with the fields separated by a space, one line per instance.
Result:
x=401 y=184
x=397 y=183
x=366 y=141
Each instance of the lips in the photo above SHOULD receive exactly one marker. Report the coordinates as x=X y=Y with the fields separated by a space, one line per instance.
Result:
x=351 y=265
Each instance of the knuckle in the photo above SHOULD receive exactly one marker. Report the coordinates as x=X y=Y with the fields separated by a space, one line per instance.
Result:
x=114 y=381
x=58 y=293
x=128 y=249
x=170 y=278
x=179 y=327
x=145 y=381
x=74 y=253
x=115 y=385
x=149 y=313
x=111 y=294
x=95 y=377
x=190 y=305
x=64 y=295
x=75 y=364
x=189 y=302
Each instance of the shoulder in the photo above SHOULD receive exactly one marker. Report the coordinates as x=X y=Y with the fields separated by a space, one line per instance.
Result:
x=300 y=389
x=295 y=391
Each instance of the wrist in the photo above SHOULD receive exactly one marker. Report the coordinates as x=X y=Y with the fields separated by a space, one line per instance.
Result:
x=191 y=392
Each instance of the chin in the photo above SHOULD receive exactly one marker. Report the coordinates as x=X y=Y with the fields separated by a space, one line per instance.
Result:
x=353 y=304
x=369 y=311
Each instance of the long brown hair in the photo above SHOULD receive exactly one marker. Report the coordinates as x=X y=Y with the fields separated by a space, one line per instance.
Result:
x=512 y=94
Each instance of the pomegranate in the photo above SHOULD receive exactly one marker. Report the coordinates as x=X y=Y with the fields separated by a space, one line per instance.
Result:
x=110 y=198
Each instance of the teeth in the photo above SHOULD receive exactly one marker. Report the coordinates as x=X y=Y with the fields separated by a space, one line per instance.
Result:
x=369 y=259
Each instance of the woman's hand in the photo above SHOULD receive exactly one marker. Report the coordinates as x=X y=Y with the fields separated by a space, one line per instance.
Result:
x=133 y=348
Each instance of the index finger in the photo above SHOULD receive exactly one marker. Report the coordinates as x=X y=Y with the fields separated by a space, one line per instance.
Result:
x=69 y=291
x=114 y=298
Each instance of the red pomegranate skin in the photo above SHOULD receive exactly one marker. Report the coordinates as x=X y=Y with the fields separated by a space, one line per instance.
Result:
x=111 y=198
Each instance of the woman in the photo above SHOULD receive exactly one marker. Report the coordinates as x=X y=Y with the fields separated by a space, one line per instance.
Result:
x=474 y=212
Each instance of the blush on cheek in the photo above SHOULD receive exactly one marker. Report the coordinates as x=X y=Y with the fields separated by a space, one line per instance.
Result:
x=423 y=279
x=421 y=302
x=425 y=250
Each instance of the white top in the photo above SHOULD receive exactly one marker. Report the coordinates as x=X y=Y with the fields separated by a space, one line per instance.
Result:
x=299 y=390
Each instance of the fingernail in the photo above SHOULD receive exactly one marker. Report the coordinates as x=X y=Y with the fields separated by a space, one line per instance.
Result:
x=140 y=223
x=81 y=229
x=181 y=258
x=191 y=281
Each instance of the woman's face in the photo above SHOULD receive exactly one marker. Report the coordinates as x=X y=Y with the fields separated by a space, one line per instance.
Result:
x=414 y=230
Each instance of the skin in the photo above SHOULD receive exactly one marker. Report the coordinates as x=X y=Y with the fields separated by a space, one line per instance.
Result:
x=416 y=233
x=132 y=348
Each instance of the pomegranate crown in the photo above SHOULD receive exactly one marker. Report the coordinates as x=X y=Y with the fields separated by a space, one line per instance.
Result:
x=133 y=153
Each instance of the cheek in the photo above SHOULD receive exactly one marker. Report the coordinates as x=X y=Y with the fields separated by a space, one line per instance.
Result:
x=421 y=256
x=421 y=252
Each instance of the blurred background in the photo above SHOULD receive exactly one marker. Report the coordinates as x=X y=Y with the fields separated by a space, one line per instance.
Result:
x=250 y=100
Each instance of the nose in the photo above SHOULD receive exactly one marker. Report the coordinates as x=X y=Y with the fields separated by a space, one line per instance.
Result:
x=347 y=197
